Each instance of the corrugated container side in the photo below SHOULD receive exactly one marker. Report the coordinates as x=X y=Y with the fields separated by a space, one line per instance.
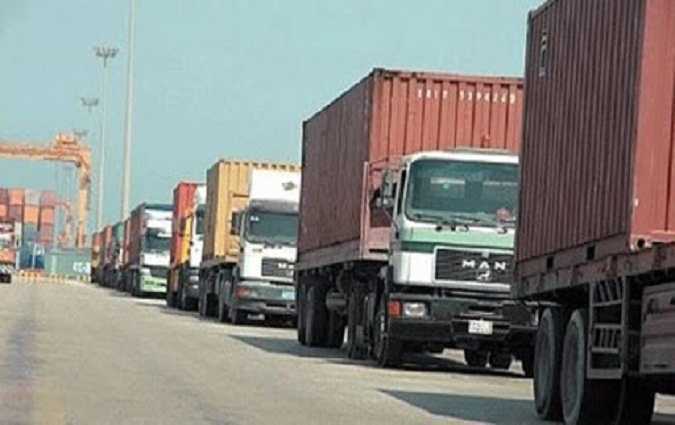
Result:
x=31 y=214
x=183 y=205
x=597 y=161
x=127 y=241
x=383 y=117
x=654 y=207
x=31 y=197
x=4 y=196
x=15 y=197
x=47 y=215
x=15 y=213
x=135 y=235
x=48 y=199
x=226 y=192
x=71 y=263
x=47 y=232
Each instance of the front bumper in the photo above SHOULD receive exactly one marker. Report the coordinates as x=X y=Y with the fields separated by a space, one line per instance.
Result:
x=152 y=285
x=265 y=298
x=447 y=322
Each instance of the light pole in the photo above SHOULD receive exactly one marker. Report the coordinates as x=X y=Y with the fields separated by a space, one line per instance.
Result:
x=126 y=176
x=106 y=54
x=90 y=103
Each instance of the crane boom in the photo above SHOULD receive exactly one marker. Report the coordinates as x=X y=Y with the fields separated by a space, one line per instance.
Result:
x=67 y=149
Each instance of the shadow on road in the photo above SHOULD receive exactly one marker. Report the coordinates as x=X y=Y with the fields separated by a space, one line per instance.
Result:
x=289 y=347
x=663 y=419
x=488 y=410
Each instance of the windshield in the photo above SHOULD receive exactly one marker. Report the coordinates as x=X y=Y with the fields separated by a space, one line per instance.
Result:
x=459 y=191
x=156 y=243
x=199 y=230
x=272 y=227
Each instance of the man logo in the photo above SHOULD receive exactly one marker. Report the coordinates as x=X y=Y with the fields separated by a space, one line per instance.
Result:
x=485 y=271
x=289 y=185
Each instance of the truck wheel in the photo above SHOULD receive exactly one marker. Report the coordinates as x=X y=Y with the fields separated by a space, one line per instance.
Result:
x=223 y=311
x=170 y=298
x=475 y=358
x=316 y=320
x=501 y=361
x=238 y=317
x=300 y=308
x=582 y=398
x=356 y=347
x=201 y=304
x=527 y=363
x=336 y=330
x=547 y=358
x=635 y=403
x=387 y=350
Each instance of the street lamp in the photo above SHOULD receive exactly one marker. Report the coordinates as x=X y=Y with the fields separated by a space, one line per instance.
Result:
x=105 y=54
x=126 y=176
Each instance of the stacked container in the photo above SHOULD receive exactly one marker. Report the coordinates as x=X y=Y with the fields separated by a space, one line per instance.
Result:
x=4 y=205
x=47 y=218
x=15 y=209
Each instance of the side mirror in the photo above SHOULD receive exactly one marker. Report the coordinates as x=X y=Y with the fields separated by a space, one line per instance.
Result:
x=236 y=222
x=387 y=193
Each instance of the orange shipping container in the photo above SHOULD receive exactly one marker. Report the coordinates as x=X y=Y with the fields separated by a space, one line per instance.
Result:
x=4 y=212
x=227 y=192
x=47 y=216
x=15 y=213
x=31 y=214
x=15 y=197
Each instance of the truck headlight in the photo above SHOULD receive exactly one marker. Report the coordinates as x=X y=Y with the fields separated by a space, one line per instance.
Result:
x=193 y=278
x=414 y=310
x=244 y=292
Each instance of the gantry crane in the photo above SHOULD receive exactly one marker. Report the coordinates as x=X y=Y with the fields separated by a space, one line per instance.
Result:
x=64 y=148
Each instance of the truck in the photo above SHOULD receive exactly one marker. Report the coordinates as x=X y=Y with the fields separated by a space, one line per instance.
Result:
x=236 y=275
x=96 y=256
x=8 y=249
x=148 y=243
x=187 y=241
x=596 y=222
x=408 y=199
x=113 y=271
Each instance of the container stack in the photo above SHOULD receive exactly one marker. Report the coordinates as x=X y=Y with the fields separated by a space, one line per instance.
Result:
x=15 y=209
x=47 y=219
x=4 y=205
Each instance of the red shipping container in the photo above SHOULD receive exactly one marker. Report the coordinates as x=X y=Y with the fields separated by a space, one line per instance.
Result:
x=183 y=206
x=386 y=115
x=31 y=214
x=47 y=215
x=48 y=199
x=598 y=158
x=46 y=232
x=15 y=213
x=4 y=197
x=15 y=197
x=4 y=212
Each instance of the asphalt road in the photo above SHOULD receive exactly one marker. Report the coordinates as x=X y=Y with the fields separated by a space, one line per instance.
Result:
x=80 y=355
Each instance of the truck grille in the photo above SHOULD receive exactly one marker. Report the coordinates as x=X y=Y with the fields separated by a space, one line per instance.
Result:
x=273 y=267
x=159 y=272
x=473 y=266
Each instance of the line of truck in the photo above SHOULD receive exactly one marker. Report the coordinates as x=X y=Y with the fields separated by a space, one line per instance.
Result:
x=435 y=211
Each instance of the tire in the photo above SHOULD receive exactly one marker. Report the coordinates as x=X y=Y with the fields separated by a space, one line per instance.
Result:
x=635 y=403
x=223 y=311
x=316 y=318
x=237 y=317
x=501 y=361
x=547 y=359
x=201 y=304
x=475 y=358
x=300 y=308
x=170 y=298
x=527 y=363
x=583 y=399
x=336 y=331
x=388 y=351
x=356 y=350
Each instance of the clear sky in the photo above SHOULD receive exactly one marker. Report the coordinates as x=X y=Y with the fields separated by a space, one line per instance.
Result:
x=222 y=78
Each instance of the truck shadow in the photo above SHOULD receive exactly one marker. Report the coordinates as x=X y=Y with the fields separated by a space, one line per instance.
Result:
x=660 y=419
x=290 y=347
x=487 y=410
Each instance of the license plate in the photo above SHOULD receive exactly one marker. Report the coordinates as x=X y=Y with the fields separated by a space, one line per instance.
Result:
x=480 y=327
x=288 y=295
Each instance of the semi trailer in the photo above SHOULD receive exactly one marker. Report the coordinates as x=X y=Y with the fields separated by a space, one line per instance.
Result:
x=8 y=249
x=187 y=241
x=222 y=271
x=596 y=227
x=148 y=239
x=409 y=193
x=262 y=280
